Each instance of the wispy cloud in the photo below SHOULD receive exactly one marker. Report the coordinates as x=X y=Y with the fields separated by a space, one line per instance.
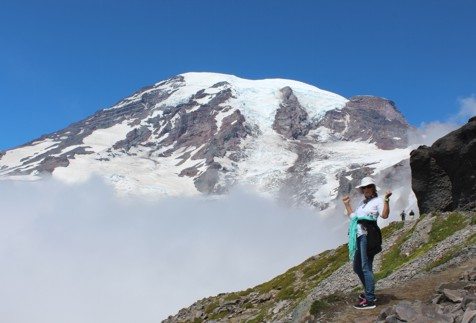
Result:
x=81 y=254
x=467 y=109
x=428 y=132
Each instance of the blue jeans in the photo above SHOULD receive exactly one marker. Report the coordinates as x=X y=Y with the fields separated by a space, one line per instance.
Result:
x=363 y=268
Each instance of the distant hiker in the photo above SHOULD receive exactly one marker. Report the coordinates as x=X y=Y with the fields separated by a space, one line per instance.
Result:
x=365 y=238
x=402 y=215
x=412 y=214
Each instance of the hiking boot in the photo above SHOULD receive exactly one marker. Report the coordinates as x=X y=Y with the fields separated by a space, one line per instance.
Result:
x=362 y=296
x=365 y=304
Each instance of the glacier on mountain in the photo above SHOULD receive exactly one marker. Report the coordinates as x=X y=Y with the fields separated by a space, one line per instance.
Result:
x=202 y=133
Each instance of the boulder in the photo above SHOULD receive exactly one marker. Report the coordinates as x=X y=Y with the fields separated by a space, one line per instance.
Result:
x=405 y=311
x=467 y=300
x=443 y=175
x=455 y=296
x=469 y=316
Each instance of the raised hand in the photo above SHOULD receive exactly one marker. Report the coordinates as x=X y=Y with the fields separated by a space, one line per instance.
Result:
x=346 y=199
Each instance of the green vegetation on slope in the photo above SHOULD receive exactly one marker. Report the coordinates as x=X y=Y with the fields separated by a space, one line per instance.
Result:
x=443 y=227
x=325 y=265
x=322 y=304
x=296 y=283
x=452 y=252
x=258 y=318
x=390 y=229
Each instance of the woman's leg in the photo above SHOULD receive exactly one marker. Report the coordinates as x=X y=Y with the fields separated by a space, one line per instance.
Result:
x=366 y=268
x=358 y=263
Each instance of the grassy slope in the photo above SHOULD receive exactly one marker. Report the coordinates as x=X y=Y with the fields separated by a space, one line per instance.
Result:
x=393 y=259
x=296 y=283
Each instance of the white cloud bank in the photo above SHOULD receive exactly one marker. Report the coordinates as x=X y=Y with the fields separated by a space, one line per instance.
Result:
x=428 y=133
x=80 y=254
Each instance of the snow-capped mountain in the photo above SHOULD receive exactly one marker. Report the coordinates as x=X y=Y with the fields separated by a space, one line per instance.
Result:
x=204 y=132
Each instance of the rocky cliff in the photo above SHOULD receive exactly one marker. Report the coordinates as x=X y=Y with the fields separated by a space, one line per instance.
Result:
x=385 y=125
x=444 y=175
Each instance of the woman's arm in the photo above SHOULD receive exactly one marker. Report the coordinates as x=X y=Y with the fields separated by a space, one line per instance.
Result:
x=346 y=200
x=386 y=205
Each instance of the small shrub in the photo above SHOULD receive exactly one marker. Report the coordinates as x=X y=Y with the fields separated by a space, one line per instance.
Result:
x=318 y=306
x=321 y=304
x=471 y=239
x=281 y=282
x=237 y=295
x=211 y=307
x=357 y=288
x=231 y=297
x=219 y=315
x=289 y=293
x=473 y=219
x=333 y=298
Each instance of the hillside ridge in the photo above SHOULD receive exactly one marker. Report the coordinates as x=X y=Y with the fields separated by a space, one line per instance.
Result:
x=411 y=250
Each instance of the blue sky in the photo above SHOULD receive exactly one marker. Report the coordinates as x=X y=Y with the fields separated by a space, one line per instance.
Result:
x=61 y=61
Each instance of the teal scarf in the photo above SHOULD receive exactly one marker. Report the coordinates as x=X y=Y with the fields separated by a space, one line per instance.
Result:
x=353 y=233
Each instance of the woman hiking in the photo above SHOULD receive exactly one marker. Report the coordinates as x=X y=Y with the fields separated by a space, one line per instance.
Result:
x=364 y=235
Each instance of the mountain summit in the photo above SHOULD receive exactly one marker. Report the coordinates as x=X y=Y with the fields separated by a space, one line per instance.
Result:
x=205 y=132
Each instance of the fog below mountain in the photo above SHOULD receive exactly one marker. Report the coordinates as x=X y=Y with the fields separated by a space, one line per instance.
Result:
x=81 y=254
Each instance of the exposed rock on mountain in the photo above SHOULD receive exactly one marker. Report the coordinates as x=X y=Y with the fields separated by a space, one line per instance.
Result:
x=291 y=119
x=204 y=133
x=444 y=175
x=368 y=118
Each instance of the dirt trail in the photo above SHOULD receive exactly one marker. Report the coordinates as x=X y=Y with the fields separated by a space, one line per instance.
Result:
x=422 y=289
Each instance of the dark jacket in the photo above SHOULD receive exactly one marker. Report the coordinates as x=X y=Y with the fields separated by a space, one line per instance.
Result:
x=374 y=237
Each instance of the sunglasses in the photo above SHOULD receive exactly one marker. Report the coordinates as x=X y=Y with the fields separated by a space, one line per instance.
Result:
x=368 y=186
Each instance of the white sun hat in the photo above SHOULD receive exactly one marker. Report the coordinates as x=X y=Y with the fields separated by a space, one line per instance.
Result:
x=367 y=181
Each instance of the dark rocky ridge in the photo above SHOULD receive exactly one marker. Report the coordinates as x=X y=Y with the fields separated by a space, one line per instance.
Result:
x=183 y=126
x=291 y=119
x=199 y=129
x=369 y=118
x=444 y=175
x=75 y=133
